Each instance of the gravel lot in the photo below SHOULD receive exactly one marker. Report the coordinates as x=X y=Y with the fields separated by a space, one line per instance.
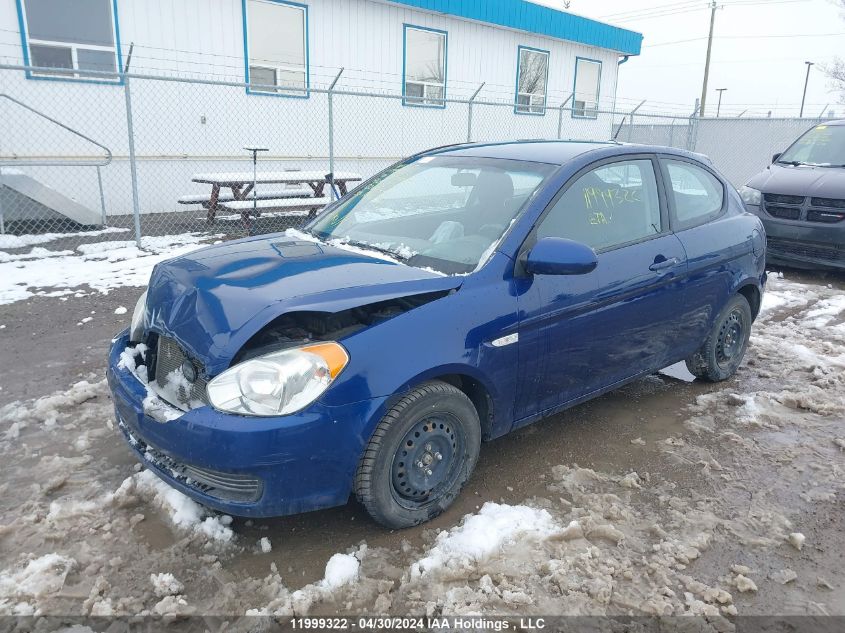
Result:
x=666 y=497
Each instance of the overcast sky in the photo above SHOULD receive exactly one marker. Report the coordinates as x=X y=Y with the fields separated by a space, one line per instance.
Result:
x=759 y=50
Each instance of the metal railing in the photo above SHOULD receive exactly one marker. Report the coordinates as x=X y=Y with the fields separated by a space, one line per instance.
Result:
x=58 y=162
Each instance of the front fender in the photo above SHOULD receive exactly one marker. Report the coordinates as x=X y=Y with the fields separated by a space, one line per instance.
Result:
x=449 y=336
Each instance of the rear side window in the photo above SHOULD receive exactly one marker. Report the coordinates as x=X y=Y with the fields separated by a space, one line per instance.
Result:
x=697 y=194
x=610 y=205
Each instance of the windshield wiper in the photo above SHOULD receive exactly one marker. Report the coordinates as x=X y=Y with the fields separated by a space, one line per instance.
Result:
x=794 y=163
x=379 y=249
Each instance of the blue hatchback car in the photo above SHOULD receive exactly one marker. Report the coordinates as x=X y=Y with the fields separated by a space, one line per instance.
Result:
x=458 y=295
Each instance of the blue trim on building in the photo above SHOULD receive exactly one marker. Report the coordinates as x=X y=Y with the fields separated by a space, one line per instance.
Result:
x=284 y=95
x=26 y=60
x=535 y=18
x=516 y=105
x=575 y=83
x=445 y=34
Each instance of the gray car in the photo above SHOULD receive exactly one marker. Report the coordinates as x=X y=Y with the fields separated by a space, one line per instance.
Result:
x=801 y=199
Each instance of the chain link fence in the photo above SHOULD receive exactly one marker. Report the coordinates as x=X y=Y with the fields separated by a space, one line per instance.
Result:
x=140 y=155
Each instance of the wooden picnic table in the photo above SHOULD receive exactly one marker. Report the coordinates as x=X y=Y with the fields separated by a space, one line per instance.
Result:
x=241 y=183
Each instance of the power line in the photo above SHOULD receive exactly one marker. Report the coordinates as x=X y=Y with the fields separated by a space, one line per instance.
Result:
x=736 y=61
x=684 y=7
x=651 y=9
x=744 y=37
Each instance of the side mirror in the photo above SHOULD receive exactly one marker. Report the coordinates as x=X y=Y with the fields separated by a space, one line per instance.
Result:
x=775 y=157
x=559 y=256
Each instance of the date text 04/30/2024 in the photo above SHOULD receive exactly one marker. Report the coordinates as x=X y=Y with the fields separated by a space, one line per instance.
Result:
x=382 y=623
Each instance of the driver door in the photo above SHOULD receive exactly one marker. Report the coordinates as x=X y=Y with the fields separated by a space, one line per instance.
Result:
x=582 y=333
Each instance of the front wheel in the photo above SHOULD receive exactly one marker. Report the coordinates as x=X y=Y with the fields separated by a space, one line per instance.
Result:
x=420 y=456
x=721 y=353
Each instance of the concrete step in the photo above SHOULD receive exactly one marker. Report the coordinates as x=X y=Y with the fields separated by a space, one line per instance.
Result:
x=22 y=198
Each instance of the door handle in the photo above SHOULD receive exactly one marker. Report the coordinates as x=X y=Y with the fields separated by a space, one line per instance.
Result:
x=664 y=264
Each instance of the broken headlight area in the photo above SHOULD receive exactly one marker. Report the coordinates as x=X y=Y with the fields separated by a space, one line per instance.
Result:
x=139 y=319
x=174 y=383
x=295 y=329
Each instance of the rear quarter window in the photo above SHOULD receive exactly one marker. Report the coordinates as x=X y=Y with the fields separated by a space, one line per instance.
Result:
x=697 y=195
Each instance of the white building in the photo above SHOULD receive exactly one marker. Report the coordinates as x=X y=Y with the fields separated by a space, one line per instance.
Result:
x=529 y=58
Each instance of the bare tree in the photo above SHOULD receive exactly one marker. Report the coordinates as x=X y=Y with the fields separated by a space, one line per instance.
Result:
x=532 y=71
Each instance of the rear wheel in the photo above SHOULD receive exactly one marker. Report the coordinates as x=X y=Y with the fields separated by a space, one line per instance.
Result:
x=420 y=456
x=722 y=352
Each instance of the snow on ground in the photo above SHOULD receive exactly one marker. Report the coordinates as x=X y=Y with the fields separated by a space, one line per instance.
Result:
x=39 y=577
x=482 y=536
x=732 y=509
x=47 y=409
x=22 y=241
x=166 y=585
x=182 y=511
x=100 y=266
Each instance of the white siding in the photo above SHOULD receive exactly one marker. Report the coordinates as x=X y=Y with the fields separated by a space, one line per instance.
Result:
x=184 y=128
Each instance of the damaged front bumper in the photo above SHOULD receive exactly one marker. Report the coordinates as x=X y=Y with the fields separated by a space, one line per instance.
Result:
x=245 y=466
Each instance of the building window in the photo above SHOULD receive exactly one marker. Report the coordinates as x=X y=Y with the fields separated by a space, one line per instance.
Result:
x=585 y=102
x=276 y=41
x=424 y=67
x=532 y=73
x=76 y=36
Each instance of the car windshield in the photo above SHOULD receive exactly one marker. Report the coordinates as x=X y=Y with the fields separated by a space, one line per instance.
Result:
x=442 y=212
x=824 y=146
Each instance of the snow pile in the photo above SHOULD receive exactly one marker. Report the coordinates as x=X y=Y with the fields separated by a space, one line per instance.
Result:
x=166 y=585
x=73 y=508
x=796 y=539
x=40 y=577
x=34 y=253
x=101 y=266
x=343 y=574
x=483 y=535
x=342 y=244
x=609 y=559
x=341 y=569
x=182 y=511
x=48 y=410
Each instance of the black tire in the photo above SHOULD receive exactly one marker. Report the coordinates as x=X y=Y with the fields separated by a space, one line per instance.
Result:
x=421 y=454
x=722 y=351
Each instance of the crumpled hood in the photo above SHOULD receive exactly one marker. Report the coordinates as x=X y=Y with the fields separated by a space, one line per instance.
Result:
x=818 y=182
x=215 y=299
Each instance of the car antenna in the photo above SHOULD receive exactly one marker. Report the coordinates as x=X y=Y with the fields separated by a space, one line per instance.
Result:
x=619 y=129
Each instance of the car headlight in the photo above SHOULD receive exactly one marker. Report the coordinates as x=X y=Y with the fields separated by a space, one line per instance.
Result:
x=139 y=320
x=278 y=383
x=750 y=196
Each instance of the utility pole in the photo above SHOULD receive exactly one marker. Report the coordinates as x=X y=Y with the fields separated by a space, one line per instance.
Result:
x=707 y=61
x=806 y=81
x=719 y=106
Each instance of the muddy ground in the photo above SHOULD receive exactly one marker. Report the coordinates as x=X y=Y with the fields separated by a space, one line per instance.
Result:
x=666 y=497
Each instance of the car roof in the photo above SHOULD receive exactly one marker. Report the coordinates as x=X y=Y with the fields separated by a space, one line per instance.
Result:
x=836 y=122
x=553 y=152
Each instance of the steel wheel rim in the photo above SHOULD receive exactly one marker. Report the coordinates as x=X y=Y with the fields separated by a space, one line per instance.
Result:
x=731 y=338
x=428 y=460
